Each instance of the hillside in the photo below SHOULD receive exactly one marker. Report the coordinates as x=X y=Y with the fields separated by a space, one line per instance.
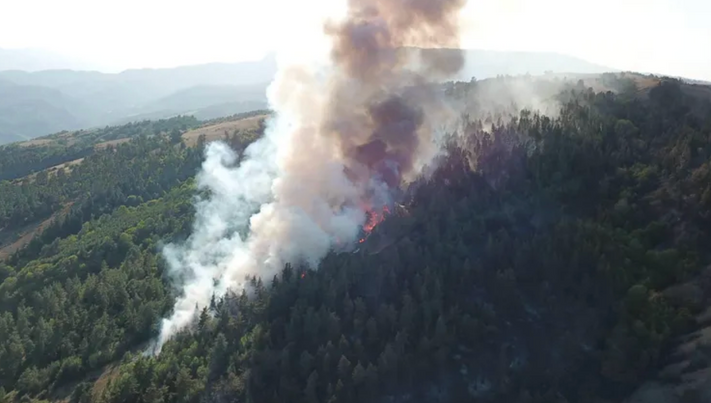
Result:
x=93 y=99
x=556 y=256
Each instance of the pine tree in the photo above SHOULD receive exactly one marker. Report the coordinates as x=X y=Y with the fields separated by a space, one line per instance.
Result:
x=311 y=390
x=371 y=331
x=359 y=375
x=219 y=357
x=204 y=319
x=344 y=368
x=306 y=362
x=371 y=379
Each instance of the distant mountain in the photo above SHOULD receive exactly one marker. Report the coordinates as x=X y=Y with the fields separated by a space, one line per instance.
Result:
x=27 y=111
x=199 y=97
x=205 y=102
x=131 y=89
x=54 y=100
x=48 y=101
x=489 y=63
x=38 y=59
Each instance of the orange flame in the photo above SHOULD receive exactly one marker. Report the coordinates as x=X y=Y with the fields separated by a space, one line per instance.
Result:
x=374 y=218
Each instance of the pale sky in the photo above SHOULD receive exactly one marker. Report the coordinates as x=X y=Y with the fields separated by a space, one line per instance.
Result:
x=661 y=36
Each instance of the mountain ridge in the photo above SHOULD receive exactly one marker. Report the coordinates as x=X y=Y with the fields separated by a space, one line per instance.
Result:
x=97 y=99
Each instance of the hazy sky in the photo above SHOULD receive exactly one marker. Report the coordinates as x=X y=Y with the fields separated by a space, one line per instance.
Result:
x=661 y=36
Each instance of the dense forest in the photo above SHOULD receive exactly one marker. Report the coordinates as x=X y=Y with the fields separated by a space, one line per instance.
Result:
x=529 y=267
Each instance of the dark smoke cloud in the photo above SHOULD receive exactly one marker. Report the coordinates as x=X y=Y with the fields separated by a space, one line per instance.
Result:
x=369 y=42
x=379 y=106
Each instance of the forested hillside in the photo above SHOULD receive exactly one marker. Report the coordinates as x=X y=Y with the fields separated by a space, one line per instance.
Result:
x=532 y=266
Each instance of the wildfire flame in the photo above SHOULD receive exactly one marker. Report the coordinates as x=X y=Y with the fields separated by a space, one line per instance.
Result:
x=375 y=217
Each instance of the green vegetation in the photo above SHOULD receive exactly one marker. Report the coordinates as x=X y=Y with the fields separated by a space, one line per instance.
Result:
x=18 y=160
x=129 y=173
x=109 y=176
x=89 y=297
x=528 y=268
x=89 y=288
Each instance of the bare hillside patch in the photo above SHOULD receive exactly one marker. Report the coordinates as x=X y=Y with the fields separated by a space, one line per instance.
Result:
x=217 y=131
x=13 y=241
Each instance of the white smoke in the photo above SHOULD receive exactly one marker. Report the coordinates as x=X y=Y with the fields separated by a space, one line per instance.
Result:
x=288 y=200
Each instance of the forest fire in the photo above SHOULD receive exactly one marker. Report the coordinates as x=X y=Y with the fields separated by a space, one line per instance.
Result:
x=374 y=218
x=367 y=108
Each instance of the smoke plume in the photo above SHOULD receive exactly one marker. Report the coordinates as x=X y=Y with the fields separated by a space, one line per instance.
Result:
x=339 y=146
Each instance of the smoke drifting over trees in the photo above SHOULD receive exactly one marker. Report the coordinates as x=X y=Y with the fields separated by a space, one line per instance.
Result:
x=337 y=149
